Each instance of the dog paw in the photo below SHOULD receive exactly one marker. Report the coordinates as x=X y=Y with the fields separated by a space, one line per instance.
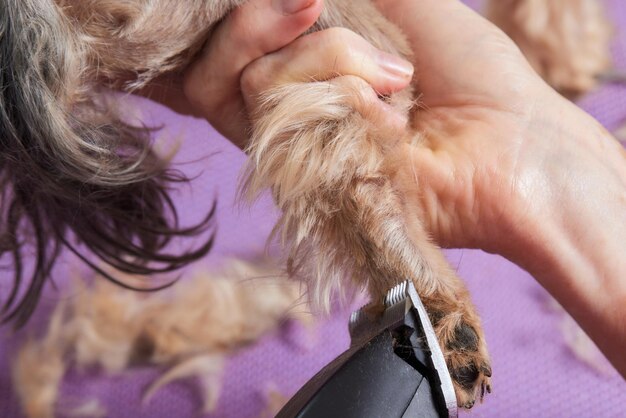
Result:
x=468 y=363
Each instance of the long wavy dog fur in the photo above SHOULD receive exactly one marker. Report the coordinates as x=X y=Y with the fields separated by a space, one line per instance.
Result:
x=72 y=164
x=188 y=331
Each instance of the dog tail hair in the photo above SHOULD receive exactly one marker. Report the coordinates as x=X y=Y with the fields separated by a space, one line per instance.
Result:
x=72 y=173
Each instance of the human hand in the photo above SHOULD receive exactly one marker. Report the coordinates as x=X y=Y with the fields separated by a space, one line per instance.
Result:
x=479 y=96
x=258 y=46
x=509 y=166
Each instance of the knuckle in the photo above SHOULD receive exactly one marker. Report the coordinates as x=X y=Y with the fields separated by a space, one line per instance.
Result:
x=339 y=40
x=340 y=34
x=254 y=78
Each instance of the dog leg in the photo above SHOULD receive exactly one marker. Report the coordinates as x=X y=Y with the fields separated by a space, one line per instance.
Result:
x=343 y=219
x=444 y=295
x=459 y=332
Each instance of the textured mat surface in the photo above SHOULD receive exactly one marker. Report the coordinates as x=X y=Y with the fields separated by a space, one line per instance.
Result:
x=535 y=375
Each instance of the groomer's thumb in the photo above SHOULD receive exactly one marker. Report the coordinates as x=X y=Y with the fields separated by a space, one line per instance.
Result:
x=256 y=28
x=263 y=26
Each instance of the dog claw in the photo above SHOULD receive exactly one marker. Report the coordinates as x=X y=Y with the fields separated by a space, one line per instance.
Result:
x=486 y=369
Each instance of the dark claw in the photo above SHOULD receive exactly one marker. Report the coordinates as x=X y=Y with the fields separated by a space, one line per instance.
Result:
x=469 y=405
x=486 y=369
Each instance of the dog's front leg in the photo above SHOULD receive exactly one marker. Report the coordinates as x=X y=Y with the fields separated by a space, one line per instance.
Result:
x=343 y=219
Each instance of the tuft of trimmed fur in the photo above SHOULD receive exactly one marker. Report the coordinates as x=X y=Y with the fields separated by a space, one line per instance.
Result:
x=190 y=331
x=566 y=41
x=37 y=382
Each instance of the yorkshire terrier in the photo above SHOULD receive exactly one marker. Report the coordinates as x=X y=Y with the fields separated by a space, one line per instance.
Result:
x=341 y=182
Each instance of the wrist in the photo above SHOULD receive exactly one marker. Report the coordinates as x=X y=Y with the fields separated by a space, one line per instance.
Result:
x=570 y=229
x=571 y=190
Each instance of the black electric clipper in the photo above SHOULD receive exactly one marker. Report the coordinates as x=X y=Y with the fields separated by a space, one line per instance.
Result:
x=394 y=368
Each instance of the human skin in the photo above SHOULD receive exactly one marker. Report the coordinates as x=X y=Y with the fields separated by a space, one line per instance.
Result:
x=507 y=165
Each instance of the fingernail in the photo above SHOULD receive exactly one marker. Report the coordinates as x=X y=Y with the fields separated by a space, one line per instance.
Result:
x=289 y=7
x=395 y=65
